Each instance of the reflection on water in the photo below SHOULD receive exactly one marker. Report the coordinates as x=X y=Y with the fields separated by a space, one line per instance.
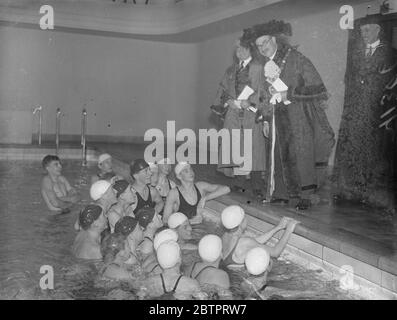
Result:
x=31 y=237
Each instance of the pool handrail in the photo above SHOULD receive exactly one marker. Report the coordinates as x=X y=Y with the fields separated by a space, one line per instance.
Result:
x=38 y=110
x=83 y=136
x=57 y=129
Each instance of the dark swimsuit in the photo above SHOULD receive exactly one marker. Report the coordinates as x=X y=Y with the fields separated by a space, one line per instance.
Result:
x=229 y=258
x=175 y=286
x=144 y=203
x=185 y=207
x=206 y=267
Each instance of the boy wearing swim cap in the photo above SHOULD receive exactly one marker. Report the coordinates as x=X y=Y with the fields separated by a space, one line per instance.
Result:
x=57 y=192
x=207 y=271
x=105 y=169
x=131 y=230
x=170 y=282
x=147 y=195
x=150 y=222
x=87 y=243
x=126 y=201
x=190 y=197
x=236 y=245
x=102 y=193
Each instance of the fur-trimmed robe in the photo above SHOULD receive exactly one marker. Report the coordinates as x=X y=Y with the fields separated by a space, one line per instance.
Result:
x=304 y=137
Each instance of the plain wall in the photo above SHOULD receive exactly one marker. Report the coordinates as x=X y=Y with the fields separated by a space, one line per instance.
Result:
x=127 y=85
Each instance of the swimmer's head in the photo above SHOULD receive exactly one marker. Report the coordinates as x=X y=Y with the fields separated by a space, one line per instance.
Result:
x=168 y=254
x=105 y=162
x=163 y=236
x=164 y=166
x=180 y=223
x=52 y=164
x=120 y=186
x=111 y=245
x=232 y=217
x=184 y=172
x=125 y=226
x=145 y=216
x=210 y=248
x=102 y=189
x=257 y=261
x=140 y=171
x=91 y=214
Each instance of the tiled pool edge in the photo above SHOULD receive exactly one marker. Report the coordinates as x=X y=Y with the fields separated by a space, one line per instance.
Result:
x=12 y=153
x=372 y=282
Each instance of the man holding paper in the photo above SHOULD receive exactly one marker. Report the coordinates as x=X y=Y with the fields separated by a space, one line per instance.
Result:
x=301 y=137
x=240 y=83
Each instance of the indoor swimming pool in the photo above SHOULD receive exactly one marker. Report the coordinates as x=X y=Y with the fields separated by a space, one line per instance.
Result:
x=31 y=237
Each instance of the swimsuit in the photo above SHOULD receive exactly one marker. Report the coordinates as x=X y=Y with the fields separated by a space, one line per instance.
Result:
x=229 y=258
x=186 y=208
x=175 y=286
x=206 y=267
x=144 y=203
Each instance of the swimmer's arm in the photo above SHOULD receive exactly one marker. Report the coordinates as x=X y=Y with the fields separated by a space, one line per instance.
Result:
x=211 y=191
x=72 y=196
x=169 y=204
x=51 y=199
x=157 y=199
x=113 y=217
x=268 y=235
x=198 y=218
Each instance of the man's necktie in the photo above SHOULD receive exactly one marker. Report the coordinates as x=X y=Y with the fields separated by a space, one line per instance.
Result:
x=368 y=51
x=241 y=67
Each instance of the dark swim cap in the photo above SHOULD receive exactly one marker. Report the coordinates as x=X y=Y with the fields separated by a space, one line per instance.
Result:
x=88 y=215
x=145 y=216
x=120 y=186
x=138 y=165
x=125 y=225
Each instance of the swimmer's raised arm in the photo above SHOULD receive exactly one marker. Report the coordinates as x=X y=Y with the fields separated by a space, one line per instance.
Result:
x=211 y=191
x=157 y=200
x=169 y=204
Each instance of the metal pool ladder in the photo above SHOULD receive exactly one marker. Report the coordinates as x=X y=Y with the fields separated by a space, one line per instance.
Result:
x=38 y=110
x=57 y=129
x=83 y=137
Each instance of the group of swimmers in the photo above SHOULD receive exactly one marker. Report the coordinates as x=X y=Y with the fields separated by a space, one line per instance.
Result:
x=146 y=223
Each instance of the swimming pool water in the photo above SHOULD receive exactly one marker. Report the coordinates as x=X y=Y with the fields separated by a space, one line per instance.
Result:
x=31 y=237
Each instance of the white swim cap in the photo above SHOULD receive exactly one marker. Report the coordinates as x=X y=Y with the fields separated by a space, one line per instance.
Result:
x=257 y=260
x=103 y=157
x=164 y=161
x=210 y=248
x=176 y=219
x=232 y=216
x=153 y=166
x=180 y=166
x=163 y=236
x=168 y=254
x=98 y=189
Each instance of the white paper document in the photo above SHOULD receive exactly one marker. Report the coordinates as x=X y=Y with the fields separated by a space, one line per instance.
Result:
x=245 y=94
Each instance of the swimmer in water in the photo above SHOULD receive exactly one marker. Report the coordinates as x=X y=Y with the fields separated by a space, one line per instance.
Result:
x=87 y=244
x=105 y=170
x=147 y=195
x=132 y=231
x=114 y=252
x=103 y=195
x=236 y=245
x=150 y=222
x=181 y=224
x=163 y=234
x=170 y=283
x=57 y=192
x=190 y=197
x=126 y=201
x=207 y=271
